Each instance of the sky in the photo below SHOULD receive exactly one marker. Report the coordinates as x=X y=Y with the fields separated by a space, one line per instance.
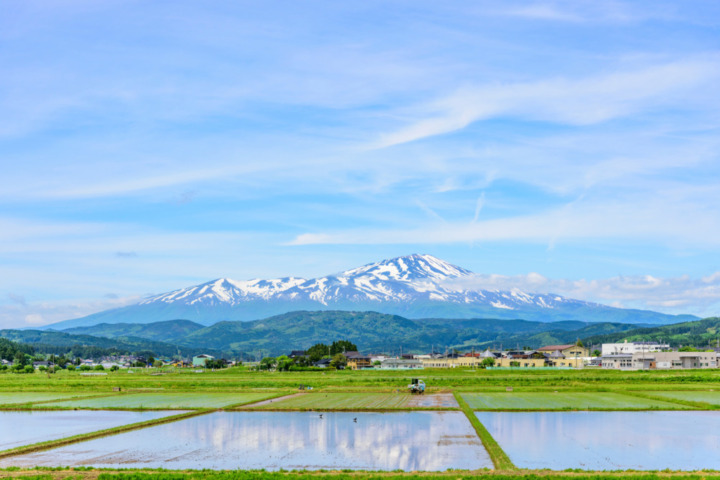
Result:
x=564 y=147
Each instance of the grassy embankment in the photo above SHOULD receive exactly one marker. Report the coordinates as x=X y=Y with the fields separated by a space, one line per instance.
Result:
x=234 y=379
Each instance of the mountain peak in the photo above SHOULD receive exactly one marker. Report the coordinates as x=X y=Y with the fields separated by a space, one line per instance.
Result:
x=410 y=268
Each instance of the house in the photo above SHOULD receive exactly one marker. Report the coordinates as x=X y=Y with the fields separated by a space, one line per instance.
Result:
x=660 y=360
x=522 y=361
x=357 y=361
x=201 y=360
x=568 y=351
x=322 y=363
x=633 y=347
x=558 y=359
x=617 y=361
x=400 y=364
x=452 y=361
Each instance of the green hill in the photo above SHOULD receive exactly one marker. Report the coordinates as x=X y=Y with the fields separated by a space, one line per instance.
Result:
x=699 y=333
x=377 y=332
x=48 y=341
x=168 y=331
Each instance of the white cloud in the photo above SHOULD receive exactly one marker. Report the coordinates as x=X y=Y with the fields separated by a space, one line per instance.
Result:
x=35 y=314
x=660 y=219
x=672 y=295
x=581 y=102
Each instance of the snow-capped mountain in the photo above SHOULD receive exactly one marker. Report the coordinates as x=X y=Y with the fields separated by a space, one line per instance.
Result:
x=414 y=286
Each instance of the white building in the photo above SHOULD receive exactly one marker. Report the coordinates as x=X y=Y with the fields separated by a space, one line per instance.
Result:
x=632 y=348
x=660 y=360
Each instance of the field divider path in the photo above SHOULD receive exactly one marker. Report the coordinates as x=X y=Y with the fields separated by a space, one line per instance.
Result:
x=38 y=447
x=500 y=459
x=243 y=405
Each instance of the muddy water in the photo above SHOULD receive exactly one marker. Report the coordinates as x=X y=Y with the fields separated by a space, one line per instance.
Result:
x=25 y=428
x=608 y=440
x=289 y=440
x=437 y=400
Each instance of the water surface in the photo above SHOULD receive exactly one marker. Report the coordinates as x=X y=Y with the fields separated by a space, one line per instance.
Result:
x=289 y=440
x=25 y=428
x=678 y=440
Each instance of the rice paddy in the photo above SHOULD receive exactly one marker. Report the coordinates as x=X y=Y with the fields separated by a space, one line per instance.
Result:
x=366 y=393
x=341 y=401
x=165 y=401
x=17 y=398
x=565 y=401
x=709 y=397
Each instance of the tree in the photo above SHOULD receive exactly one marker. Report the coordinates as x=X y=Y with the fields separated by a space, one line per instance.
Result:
x=19 y=359
x=267 y=363
x=283 y=363
x=342 y=346
x=157 y=363
x=317 y=351
x=596 y=353
x=487 y=362
x=579 y=343
x=338 y=361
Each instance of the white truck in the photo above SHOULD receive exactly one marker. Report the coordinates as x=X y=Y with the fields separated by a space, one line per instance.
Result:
x=417 y=386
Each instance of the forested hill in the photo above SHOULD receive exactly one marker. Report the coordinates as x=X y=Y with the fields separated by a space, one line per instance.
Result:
x=699 y=333
x=377 y=332
x=60 y=343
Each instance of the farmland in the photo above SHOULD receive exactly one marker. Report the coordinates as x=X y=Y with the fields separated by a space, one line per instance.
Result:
x=564 y=401
x=355 y=391
x=168 y=401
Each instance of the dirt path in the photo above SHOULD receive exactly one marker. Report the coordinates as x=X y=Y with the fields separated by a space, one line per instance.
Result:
x=267 y=402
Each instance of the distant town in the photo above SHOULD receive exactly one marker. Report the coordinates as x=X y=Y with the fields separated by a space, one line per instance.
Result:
x=345 y=355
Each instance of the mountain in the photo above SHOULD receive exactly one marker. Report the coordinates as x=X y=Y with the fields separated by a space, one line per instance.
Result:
x=49 y=341
x=167 y=331
x=377 y=332
x=697 y=333
x=414 y=286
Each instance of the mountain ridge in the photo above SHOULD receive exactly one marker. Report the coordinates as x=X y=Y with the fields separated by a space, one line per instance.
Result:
x=413 y=286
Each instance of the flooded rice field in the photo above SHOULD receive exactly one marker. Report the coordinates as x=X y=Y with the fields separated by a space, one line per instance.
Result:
x=429 y=441
x=608 y=440
x=25 y=428
x=440 y=400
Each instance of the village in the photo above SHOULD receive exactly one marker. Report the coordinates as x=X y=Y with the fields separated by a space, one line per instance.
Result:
x=616 y=356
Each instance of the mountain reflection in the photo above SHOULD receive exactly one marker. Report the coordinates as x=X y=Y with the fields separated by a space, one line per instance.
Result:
x=290 y=440
x=679 y=440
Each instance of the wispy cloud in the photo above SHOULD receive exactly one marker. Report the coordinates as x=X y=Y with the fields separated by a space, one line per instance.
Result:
x=637 y=219
x=583 y=101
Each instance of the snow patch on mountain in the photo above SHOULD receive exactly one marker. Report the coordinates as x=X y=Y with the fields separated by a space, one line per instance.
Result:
x=404 y=279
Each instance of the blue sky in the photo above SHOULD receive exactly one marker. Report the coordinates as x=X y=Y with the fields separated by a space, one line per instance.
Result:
x=570 y=147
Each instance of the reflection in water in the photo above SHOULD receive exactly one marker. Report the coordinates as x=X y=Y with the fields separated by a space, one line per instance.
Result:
x=608 y=440
x=25 y=428
x=289 y=440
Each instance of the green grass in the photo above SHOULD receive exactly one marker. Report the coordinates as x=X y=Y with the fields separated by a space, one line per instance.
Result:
x=500 y=459
x=173 y=400
x=564 y=401
x=379 y=381
x=342 y=401
x=16 y=398
x=711 y=398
